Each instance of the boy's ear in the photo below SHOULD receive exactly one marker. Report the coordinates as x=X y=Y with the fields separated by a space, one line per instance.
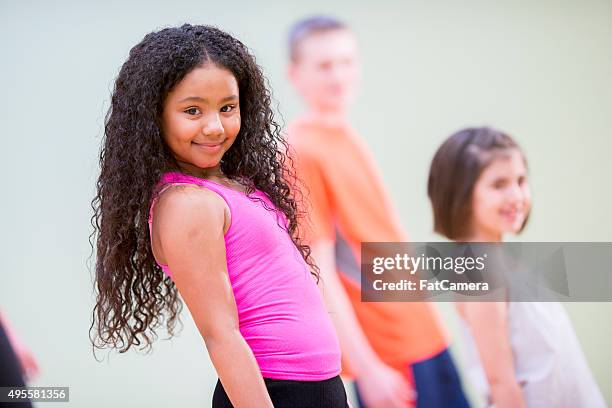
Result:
x=292 y=73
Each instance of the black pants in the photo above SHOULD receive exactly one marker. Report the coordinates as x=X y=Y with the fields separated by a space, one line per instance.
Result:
x=10 y=370
x=295 y=394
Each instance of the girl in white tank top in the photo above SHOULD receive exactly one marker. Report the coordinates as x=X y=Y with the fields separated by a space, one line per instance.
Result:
x=549 y=365
x=518 y=354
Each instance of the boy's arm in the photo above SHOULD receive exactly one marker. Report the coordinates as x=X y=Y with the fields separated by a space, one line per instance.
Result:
x=190 y=225
x=355 y=345
x=380 y=385
x=488 y=325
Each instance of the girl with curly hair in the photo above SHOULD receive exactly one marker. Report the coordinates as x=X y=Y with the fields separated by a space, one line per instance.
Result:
x=193 y=198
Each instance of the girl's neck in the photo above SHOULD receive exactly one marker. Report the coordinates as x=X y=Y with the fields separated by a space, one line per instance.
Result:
x=215 y=175
x=209 y=173
x=482 y=236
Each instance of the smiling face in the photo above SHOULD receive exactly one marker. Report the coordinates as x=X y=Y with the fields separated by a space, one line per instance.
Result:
x=326 y=69
x=201 y=118
x=501 y=198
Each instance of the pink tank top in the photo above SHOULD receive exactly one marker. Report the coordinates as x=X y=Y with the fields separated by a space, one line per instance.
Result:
x=281 y=313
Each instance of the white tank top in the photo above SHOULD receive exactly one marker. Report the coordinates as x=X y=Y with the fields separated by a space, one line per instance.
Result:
x=548 y=361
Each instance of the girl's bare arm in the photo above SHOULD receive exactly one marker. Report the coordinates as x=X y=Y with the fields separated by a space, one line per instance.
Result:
x=488 y=325
x=190 y=223
x=379 y=384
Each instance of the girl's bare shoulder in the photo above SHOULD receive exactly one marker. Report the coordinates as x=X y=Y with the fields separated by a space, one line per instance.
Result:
x=182 y=204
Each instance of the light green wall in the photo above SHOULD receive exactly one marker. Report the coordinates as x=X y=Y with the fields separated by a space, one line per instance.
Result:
x=539 y=71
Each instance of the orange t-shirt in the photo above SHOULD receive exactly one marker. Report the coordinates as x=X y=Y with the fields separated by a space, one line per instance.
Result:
x=347 y=203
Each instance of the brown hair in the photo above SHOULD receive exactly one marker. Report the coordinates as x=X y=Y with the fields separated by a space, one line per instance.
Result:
x=454 y=171
x=309 y=26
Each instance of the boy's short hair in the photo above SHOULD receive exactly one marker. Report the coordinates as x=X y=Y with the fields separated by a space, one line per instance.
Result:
x=454 y=171
x=308 y=26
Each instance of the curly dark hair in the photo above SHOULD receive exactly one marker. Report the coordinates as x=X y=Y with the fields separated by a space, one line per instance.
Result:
x=134 y=297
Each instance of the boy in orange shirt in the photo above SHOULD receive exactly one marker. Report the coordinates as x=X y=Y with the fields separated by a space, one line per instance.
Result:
x=396 y=352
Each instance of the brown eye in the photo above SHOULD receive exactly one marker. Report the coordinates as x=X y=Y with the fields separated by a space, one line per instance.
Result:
x=228 y=108
x=192 y=111
x=499 y=184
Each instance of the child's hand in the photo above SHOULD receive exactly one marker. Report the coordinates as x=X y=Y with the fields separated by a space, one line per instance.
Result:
x=384 y=387
x=507 y=395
